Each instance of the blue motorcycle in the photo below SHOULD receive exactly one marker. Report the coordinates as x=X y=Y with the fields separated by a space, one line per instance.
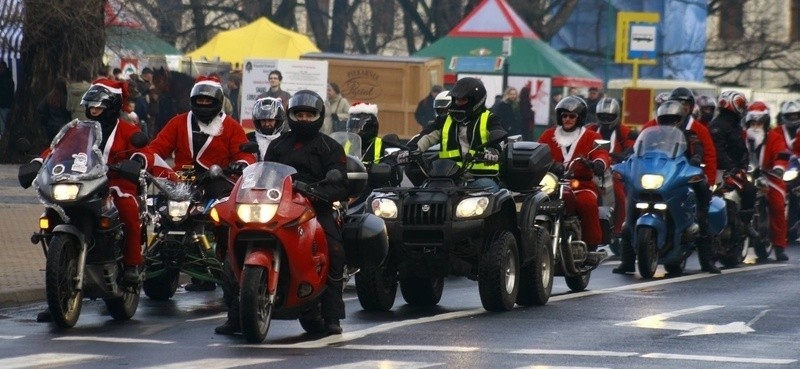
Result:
x=657 y=178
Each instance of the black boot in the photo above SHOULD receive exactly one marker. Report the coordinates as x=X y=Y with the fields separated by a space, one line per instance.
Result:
x=44 y=316
x=332 y=326
x=231 y=326
x=627 y=257
x=705 y=254
x=130 y=276
x=780 y=254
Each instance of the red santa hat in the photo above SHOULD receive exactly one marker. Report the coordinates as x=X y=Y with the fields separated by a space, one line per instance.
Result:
x=208 y=80
x=361 y=107
x=116 y=87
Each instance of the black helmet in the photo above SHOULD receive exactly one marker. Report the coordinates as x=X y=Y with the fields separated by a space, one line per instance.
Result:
x=473 y=90
x=207 y=87
x=671 y=113
x=268 y=108
x=607 y=112
x=306 y=101
x=683 y=94
x=99 y=96
x=571 y=104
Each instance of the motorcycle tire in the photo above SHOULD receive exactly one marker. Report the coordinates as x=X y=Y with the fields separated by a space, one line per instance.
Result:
x=676 y=269
x=63 y=300
x=733 y=255
x=646 y=252
x=421 y=291
x=254 y=306
x=536 y=278
x=124 y=308
x=163 y=286
x=498 y=273
x=578 y=283
x=376 y=288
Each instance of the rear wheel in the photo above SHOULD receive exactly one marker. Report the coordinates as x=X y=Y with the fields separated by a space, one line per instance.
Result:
x=64 y=300
x=124 y=308
x=646 y=252
x=255 y=307
x=536 y=278
x=498 y=276
x=578 y=283
x=422 y=291
x=376 y=288
x=162 y=286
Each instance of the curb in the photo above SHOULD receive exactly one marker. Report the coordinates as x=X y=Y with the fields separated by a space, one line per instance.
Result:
x=21 y=297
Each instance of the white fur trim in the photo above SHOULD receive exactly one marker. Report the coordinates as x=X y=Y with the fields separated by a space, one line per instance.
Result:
x=210 y=83
x=114 y=90
x=214 y=128
x=364 y=108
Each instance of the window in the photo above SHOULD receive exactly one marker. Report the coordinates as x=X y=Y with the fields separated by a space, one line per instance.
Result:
x=731 y=17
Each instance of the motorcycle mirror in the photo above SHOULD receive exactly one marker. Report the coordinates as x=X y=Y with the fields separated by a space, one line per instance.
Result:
x=215 y=171
x=249 y=147
x=333 y=176
x=23 y=145
x=139 y=140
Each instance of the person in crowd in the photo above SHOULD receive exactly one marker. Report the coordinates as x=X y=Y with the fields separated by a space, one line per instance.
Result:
x=200 y=138
x=527 y=117
x=573 y=91
x=507 y=110
x=337 y=108
x=6 y=94
x=705 y=109
x=659 y=99
x=117 y=74
x=268 y=120
x=608 y=115
x=757 y=123
x=466 y=127
x=313 y=154
x=52 y=110
x=275 y=80
x=363 y=121
x=568 y=141
x=424 y=113
x=234 y=94
x=553 y=102
x=591 y=104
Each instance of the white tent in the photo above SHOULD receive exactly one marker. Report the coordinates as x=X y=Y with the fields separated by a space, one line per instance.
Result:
x=11 y=34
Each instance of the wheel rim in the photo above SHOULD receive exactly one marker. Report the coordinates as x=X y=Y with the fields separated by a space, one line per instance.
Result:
x=264 y=306
x=510 y=271
x=70 y=297
x=545 y=267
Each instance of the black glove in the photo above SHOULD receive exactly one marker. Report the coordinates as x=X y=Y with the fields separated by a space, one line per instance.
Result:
x=139 y=158
x=491 y=155
x=300 y=186
x=598 y=167
x=402 y=157
x=777 y=172
x=558 y=169
x=618 y=157
x=696 y=160
x=237 y=167
x=27 y=173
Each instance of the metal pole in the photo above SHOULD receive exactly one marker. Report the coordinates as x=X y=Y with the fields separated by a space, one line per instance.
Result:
x=505 y=74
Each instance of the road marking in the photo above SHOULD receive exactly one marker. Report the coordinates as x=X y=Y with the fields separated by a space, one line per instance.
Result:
x=574 y=353
x=212 y=317
x=372 y=364
x=47 y=360
x=111 y=340
x=659 y=321
x=497 y=351
x=719 y=359
x=10 y=337
x=560 y=367
x=214 y=363
x=757 y=317
x=411 y=348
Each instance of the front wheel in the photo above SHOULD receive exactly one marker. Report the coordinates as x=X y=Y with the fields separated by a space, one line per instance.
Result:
x=646 y=252
x=536 y=278
x=64 y=299
x=376 y=288
x=422 y=291
x=498 y=275
x=124 y=308
x=578 y=283
x=255 y=307
x=162 y=286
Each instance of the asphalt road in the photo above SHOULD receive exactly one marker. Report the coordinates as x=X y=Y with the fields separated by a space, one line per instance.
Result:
x=744 y=318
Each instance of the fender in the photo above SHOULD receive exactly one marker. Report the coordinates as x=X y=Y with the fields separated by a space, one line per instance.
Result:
x=526 y=219
x=656 y=222
x=264 y=258
x=70 y=230
x=717 y=215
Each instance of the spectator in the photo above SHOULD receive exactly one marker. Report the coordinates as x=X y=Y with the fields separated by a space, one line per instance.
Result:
x=117 y=74
x=507 y=111
x=424 y=113
x=573 y=91
x=6 y=94
x=75 y=91
x=527 y=116
x=338 y=108
x=275 y=80
x=553 y=102
x=497 y=100
x=53 y=112
x=234 y=84
x=591 y=103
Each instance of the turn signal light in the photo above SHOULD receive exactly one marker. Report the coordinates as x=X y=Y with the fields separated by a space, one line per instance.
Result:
x=105 y=223
x=44 y=223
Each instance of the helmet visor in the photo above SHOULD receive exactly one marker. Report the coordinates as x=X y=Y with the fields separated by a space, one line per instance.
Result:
x=606 y=118
x=208 y=90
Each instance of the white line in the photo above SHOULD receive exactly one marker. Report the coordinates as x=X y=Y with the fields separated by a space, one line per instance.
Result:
x=757 y=317
x=111 y=340
x=560 y=367
x=214 y=363
x=10 y=337
x=372 y=364
x=719 y=359
x=212 y=317
x=573 y=353
x=47 y=360
x=411 y=348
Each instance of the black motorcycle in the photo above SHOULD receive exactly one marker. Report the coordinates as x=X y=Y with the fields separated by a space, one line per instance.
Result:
x=81 y=231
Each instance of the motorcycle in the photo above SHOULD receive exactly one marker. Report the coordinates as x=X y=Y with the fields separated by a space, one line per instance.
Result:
x=561 y=227
x=445 y=228
x=657 y=177
x=792 y=180
x=80 y=231
x=278 y=251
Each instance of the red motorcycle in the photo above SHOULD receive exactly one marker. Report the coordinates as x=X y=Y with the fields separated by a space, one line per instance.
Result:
x=278 y=251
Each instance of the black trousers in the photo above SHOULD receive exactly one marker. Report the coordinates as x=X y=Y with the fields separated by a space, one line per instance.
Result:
x=332 y=301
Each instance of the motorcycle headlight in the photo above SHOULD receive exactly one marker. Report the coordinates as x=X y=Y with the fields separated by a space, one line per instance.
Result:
x=790 y=175
x=177 y=209
x=652 y=181
x=549 y=183
x=256 y=213
x=66 y=191
x=384 y=208
x=471 y=207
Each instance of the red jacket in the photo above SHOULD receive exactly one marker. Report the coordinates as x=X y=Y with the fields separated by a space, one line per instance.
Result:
x=778 y=141
x=621 y=138
x=709 y=150
x=582 y=146
x=221 y=147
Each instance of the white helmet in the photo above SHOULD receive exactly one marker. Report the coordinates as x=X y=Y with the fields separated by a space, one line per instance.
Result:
x=441 y=102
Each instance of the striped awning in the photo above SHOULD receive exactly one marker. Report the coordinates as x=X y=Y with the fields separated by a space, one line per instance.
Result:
x=10 y=28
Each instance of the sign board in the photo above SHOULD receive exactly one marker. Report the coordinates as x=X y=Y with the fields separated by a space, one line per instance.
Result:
x=638 y=105
x=637 y=35
x=297 y=75
x=476 y=63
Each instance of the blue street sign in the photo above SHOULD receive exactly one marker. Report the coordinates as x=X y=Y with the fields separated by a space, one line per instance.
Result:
x=476 y=63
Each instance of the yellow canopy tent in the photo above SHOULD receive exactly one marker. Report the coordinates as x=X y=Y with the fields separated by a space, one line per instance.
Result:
x=260 y=39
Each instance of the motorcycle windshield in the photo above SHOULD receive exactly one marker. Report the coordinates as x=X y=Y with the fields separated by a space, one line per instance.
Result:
x=666 y=140
x=350 y=141
x=75 y=154
x=262 y=183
